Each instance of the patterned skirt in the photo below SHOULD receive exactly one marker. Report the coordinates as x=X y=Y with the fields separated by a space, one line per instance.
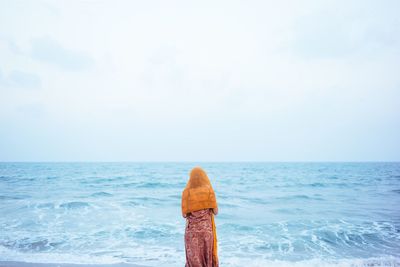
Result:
x=199 y=239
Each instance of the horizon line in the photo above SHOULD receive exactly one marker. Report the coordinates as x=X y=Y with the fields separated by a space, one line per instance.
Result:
x=202 y=161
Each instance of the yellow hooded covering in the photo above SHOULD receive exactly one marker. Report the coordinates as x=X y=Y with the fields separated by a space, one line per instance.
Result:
x=197 y=195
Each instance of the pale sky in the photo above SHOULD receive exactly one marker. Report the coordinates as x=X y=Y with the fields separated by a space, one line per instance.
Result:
x=200 y=80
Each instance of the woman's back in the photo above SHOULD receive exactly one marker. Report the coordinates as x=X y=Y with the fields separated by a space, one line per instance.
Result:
x=199 y=205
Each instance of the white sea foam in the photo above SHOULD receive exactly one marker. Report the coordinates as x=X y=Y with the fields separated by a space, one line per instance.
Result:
x=279 y=214
x=257 y=262
x=153 y=258
x=13 y=255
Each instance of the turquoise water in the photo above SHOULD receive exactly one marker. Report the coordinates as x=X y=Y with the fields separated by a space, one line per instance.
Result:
x=271 y=214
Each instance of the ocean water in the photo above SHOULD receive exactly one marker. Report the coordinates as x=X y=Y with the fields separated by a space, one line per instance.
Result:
x=271 y=214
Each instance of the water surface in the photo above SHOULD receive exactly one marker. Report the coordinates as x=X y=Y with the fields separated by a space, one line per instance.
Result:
x=271 y=214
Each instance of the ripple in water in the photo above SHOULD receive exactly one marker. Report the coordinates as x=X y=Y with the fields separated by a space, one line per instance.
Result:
x=271 y=214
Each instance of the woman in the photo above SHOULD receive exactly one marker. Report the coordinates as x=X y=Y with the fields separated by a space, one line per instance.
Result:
x=198 y=207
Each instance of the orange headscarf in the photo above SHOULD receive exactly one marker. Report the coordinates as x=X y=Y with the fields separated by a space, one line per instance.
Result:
x=197 y=195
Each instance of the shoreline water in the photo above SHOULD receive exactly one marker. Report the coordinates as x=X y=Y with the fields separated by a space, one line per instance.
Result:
x=278 y=215
x=33 y=264
x=369 y=262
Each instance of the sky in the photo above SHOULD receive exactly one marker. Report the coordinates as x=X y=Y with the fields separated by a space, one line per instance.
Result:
x=200 y=80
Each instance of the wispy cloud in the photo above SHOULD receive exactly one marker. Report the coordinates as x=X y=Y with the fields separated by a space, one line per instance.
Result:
x=50 y=51
x=20 y=79
x=338 y=31
x=201 y=80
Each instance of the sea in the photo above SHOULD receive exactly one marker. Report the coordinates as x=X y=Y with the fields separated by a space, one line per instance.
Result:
x=270 y=213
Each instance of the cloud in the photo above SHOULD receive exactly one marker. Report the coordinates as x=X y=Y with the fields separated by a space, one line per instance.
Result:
x=13 y=47
x=20 y=79
x=50 y=51
x=31 y=109
x=333 y=30
x=266 y=80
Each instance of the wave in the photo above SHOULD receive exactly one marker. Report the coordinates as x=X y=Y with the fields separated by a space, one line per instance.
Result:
x=8 y=254
x=45 y=205
x=101 y=194
x=149 y=201
x=94 y=180
x=149 y=185
x=317 y=185
x=290 y=210
x=27 y=245
x=387 y=261
x=289 y=197
x=152 y=185
x=3 y=197
x=75 y=205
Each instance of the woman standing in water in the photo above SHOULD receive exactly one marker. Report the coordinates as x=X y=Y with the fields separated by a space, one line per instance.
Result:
x=199 y=206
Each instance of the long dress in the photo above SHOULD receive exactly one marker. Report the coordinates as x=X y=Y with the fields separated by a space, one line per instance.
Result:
x=199 y=239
